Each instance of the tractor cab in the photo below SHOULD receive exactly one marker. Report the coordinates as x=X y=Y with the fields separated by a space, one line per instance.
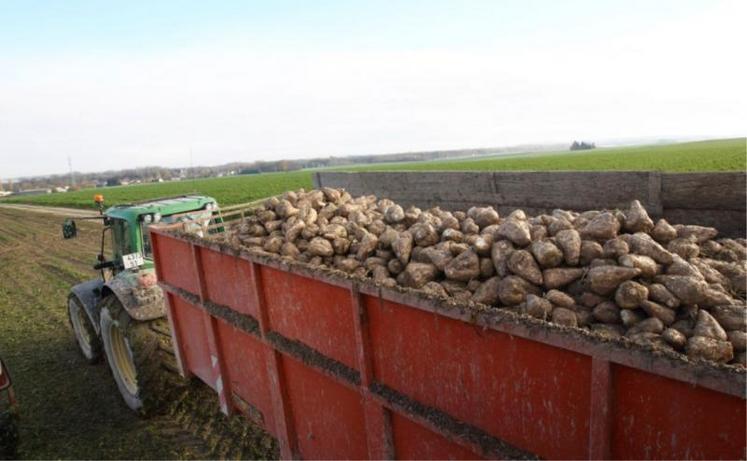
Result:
x=128 y=228
x=125 y=242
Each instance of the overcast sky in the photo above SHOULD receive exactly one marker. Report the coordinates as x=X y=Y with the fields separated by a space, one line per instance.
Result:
x=125 y=84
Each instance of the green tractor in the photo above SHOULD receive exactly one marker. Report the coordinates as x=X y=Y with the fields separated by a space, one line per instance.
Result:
x=122 y=314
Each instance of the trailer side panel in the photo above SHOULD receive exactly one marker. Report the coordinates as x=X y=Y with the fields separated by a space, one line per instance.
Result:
x=337 y=368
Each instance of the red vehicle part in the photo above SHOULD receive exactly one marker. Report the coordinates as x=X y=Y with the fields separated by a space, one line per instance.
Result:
x=338 y=368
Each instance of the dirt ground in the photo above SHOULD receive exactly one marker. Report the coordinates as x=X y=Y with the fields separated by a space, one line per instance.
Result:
x=70 y=409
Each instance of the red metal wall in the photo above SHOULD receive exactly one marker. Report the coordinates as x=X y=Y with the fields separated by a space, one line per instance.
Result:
x=529 y=394
x=245 y=359
x=412 y=441
x=697 y=423
x=311 y=311
x=336 y=373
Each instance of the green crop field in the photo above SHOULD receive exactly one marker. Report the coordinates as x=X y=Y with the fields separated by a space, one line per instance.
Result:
x=714 y=155
x=227 y=190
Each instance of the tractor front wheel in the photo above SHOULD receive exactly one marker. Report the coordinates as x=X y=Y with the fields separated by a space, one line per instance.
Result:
x=88 y=340
x=140 y=356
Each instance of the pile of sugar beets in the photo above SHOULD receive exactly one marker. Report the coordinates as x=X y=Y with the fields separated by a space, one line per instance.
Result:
x=615 y=272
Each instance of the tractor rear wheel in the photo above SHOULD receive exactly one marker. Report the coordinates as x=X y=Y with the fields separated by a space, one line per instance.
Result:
x=88 y=340
x=141 y=358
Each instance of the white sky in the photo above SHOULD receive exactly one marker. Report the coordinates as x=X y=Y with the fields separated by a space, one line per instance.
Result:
x=238 y=96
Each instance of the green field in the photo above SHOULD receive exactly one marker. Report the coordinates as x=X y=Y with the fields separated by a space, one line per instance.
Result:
x=714 y=155
x=228 y=190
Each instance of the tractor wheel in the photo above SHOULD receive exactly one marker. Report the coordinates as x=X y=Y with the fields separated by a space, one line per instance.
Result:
x=141 y=358
x=8 y=435
x=88 y=340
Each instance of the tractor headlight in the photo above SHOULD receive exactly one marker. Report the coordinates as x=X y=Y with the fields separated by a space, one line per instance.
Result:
x=147 y=219
x=209 y=207
x=157 y=217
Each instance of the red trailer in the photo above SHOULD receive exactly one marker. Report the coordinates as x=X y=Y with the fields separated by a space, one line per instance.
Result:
x=335 y=367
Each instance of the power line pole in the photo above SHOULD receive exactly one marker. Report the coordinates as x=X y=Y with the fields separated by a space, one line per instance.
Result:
x=191 y=168
x=70 y=166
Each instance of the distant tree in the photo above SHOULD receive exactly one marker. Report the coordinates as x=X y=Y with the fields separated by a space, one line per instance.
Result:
x=582 y=145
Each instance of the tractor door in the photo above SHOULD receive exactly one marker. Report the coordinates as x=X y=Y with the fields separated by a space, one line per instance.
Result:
x=122 y=239
x=120 y=243
x=107 y=258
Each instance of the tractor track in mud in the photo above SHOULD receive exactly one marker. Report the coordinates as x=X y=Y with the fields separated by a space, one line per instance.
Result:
x=71 y=410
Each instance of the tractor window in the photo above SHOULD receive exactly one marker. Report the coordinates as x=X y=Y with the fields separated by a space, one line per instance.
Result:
x=147 y=249
x=122 y=244
x=107 y=243
x=194 y=223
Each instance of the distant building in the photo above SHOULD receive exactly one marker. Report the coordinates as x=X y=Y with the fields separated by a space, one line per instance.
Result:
x=33 y=192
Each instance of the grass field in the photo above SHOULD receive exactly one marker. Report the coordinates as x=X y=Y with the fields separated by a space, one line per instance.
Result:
x=714 y=155
x=72 y=410
x=228 y=190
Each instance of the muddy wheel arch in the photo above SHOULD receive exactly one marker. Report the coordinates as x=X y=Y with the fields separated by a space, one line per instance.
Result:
x=138 y=293
x=88 y=295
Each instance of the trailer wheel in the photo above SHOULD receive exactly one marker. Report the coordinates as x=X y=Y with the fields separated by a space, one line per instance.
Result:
x=88 y=340
x=141 y=358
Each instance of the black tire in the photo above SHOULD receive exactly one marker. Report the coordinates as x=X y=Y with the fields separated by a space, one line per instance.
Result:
x=8 y=435
x=141 y=358
x=89 y=342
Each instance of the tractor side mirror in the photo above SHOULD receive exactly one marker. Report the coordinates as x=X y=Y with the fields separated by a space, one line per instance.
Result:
x=68 y=229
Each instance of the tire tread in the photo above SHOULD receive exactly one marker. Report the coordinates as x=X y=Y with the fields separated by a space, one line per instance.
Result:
x=153 y=356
